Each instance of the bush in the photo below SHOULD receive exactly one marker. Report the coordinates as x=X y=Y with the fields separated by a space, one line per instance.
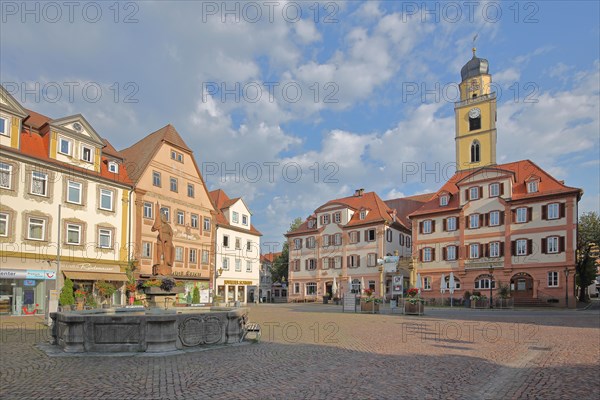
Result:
x=66 y=294
x=91 y=301
x=467 y=295
x=196 y=296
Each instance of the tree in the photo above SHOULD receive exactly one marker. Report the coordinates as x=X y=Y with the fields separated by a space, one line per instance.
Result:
x=196 y=296
x=588 y=239
x=66 y=294
x=279 y=268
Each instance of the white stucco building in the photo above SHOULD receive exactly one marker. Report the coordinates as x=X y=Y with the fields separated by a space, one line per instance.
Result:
x=237 y=250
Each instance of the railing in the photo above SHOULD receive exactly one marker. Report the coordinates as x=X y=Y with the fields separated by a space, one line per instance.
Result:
x=474 y=100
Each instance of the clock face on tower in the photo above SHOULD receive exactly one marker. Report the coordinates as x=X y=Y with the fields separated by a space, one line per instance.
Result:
x=474 y=113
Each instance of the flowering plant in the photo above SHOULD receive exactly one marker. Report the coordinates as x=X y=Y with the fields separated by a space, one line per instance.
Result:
x=131 y=287
x=80 y=293
x=415 y=300
x=369 y=292
x=413 y=292
x=476 y=297
x=152 y=283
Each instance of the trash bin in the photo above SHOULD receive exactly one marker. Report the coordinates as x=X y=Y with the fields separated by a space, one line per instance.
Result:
x=264 y=299
x=325 y=299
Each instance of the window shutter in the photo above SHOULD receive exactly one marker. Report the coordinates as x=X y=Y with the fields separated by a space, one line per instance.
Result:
x=348 y=264
x=561 y=244
x=529 y=246
x=486 y=253
x=513 y=215
x=480 y=192
x=467 y=252
x=481 y=220
x=561 y=208
x=544 y=212
x=501 y=217
x=544 y=245
x=481 y=250
x=444 y=225
x=421 y=255
x=467 y=195
x=501 y=245
x=444 y=252
x=306 y=265
x=432 y=254
x=432 y=226
x=420 y=227
x=467 y=222
x=513 y=247
x=501 y=189
x=358 y=261
x=529 y=213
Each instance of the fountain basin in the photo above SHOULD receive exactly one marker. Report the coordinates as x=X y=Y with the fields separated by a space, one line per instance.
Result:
x=107 y=331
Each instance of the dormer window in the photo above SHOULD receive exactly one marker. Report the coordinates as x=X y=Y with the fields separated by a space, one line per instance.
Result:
x=363 y=214
x=532 y=187
x=444 y=200
x=65 y=146
x=326 y=219
x=113 y=167
x=4 y=126
x=494 y=190
x=337 y=217
x=311 y=223
x=177 y=156
x=86 y=154
x=474 y=193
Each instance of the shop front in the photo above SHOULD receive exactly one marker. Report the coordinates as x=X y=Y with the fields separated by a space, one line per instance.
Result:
x=85 y=276
x=192 y=280
x=24 y=291
x=232 y=291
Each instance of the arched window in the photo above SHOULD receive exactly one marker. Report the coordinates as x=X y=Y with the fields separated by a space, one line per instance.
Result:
x=356 y=286
x=475 y=152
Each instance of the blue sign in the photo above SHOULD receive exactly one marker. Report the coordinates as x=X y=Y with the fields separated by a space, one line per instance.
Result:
x=29 y=282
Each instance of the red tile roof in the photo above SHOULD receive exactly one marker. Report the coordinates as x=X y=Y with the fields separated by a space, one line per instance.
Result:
x=406 y=205
x=35 y=120
x=139 y=155
x=520 y=170
x=222 y=202
x=109 y=150
x=269 y=257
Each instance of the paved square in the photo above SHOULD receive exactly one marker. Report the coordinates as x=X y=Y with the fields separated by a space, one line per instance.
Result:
x=315 y=351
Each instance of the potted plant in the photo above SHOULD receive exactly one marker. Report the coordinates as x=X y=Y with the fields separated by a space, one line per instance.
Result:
x=414 y=304
x=106 y=290
x=130 y=288
x=90 y=301
x=370 y=303
x=504 y=293
x=196 y=295
x=479 y=300
x=66 y=299
x=80 y=296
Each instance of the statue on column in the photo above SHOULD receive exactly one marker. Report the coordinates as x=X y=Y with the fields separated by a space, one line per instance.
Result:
x=165 y=251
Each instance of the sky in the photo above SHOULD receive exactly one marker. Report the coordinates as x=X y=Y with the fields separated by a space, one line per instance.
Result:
x=292 y=104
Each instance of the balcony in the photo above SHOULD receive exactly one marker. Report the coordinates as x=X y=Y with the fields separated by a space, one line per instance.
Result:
x=475 y=100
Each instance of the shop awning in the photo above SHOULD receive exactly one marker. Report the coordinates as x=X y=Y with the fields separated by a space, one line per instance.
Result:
x=96 y=276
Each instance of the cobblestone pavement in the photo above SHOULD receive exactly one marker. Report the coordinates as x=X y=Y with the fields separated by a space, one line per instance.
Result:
x=315 y=351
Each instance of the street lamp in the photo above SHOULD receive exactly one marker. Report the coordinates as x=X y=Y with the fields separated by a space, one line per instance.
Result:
x=491 y=270
x=218 y=273
x=566 y=287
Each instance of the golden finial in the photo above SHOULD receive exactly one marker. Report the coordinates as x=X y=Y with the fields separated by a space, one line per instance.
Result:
x=474 y=48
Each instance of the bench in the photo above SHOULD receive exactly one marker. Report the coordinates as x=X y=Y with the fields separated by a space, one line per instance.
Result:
x=251 y=327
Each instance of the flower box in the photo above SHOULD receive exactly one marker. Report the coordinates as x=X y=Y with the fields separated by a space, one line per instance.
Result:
x=480 y=303
x=369 y=307
x=157 y=290
x=417 y=308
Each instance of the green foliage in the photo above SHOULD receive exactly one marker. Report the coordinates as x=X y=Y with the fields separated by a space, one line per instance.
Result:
x=196 y=296
x=588 y=240
x=105 y=289
x=279 y=268
x=66 y=294
x=504 y=290
x=91 y=301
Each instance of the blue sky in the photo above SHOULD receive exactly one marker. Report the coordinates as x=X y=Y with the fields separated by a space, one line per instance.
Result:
x=377 y=83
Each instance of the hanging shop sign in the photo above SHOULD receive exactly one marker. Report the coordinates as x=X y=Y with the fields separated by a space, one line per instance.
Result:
x=27 y=274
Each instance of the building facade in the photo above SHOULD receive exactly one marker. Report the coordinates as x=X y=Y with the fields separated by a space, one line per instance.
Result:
x=338 y=247
x=266 y=292
x=495 y=225
x=237 y=250
x=65 y=201
x=167 y=180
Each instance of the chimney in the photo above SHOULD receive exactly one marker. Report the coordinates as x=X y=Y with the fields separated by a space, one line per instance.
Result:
x=359 y=192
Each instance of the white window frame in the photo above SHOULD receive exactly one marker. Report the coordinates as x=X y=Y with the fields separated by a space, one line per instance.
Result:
x=311 y=288
x=148 y=210
x=167 y=211
x=371 y=259
x=474 y=193
x=156 y=179
x=226 y=241
x=494 y=190
x=474 y=251
x=244 y=219
x=225 y=263
x=103 y=193
x=42 y=224
x=473 y=221
x=494 y=218
x=310 y=242
x=552 y=280
x=39 y=176
x=444 y=200
x=194 y=218
x=191 y=190
x=6 y=131
x=173 y=184
x=326 y=219
x=297 y=244
x=552 y=246
x=484 y=283
x=451 y=253
x=532 y=187
x=312 y=264
x=205 y=256
x=296 y=288
x=248 y=245
x=494 y=249
x=248 y=266
x=73 y=228
x=521 y=215
x=337 y=217
x=103 y=232
x=113 y=167
x=362 y=215
x=69 y=142
x=4 y=221
x=325 y=262
x=206 y=224
x=6 y=170
x=235 y=217
x=146 y=250
x=521 y=247
x=553 y=211
x=238 y=243
x=325 y=240
x=311 y=223
x=427 y=226
x=238 y=265
x=193 y=256
x=337 y=239
x=181 y=217
x=427 y=254
x=75 y=186
x=426 y=283
x=91 y=149
x=179 y=254
x=451 y=226
x=369 y=235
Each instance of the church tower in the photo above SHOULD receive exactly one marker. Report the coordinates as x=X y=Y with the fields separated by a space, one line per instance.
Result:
x=475 y=116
